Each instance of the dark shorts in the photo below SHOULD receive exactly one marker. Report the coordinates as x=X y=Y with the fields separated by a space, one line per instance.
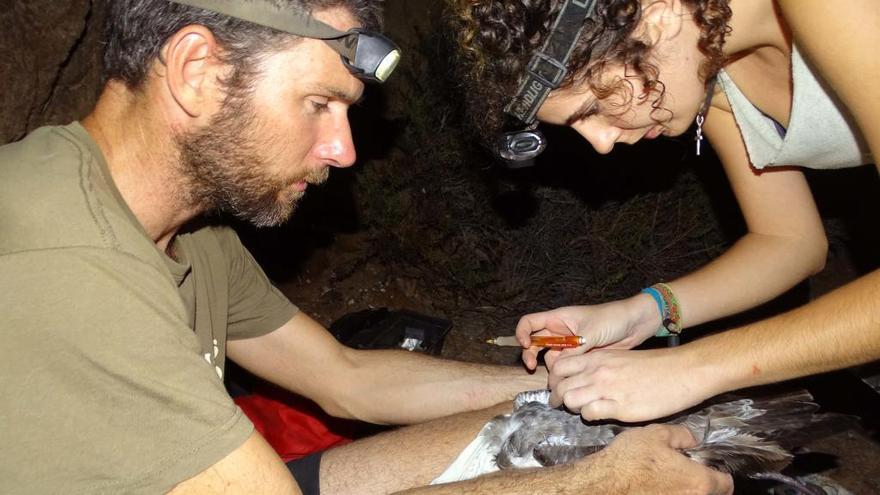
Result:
x=306 y=471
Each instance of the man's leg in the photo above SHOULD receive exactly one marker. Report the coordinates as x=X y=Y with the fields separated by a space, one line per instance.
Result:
x=404 y=458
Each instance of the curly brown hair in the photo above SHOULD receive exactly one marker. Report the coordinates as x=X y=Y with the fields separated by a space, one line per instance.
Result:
x=496 y=40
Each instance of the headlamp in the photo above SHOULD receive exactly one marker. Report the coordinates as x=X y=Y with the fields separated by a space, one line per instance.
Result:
x=367 y=54
x=544 y=73
x=520 y=147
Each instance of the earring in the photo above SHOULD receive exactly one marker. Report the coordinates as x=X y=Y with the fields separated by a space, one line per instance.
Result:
x=701 y=117
x=699 y=137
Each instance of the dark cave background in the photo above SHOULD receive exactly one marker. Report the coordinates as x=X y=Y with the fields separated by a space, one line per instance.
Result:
x=427 y=221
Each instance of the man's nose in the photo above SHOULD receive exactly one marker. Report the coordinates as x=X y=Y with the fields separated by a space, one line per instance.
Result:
x=336 y=149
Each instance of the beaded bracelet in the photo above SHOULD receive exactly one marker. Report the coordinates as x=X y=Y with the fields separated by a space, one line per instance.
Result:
x=670 y=311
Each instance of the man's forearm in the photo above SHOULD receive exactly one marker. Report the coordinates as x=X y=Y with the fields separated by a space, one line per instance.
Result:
x=838 y=330
x=641 y=460
x=556 y=480
x=400 y=387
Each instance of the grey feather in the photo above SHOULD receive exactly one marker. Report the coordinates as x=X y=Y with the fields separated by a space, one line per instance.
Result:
x=745 y=436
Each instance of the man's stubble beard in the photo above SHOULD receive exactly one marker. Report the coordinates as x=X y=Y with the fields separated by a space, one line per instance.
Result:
x=223 y=170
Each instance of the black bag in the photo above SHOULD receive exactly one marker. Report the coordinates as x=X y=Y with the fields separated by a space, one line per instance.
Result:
x=382 y=328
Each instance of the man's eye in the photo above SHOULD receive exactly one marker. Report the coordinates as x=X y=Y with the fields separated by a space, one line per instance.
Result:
x=319 y=106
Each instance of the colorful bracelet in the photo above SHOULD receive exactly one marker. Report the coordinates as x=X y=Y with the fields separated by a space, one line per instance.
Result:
x=670 y=311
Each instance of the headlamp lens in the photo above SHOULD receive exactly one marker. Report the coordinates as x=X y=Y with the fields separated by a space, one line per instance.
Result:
x=387 y=66
x=520 y=146
x=376 y=56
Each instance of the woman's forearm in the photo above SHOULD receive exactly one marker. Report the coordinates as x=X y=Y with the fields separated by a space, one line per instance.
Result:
x=838 y=330
x=753 y=271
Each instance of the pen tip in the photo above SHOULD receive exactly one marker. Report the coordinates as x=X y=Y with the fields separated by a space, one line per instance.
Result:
x=490 y=341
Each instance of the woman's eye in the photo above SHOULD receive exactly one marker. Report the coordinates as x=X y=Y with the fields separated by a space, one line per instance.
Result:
x=583 y=113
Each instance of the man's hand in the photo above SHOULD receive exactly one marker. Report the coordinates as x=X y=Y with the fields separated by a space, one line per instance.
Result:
x=640 y=460
x=629 y=385
x=619 y=324
x=647 y=461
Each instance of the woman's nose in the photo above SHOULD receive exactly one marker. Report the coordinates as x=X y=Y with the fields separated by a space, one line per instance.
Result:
x=601 y=136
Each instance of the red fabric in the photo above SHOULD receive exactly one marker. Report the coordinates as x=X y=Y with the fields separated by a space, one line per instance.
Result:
x=293 y=426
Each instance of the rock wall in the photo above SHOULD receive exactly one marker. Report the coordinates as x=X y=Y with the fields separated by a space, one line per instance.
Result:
x=49 y=62
x=50 y=57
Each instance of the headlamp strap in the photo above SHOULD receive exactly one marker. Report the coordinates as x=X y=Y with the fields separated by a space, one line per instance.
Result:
x=296 y=22
x=548 y=66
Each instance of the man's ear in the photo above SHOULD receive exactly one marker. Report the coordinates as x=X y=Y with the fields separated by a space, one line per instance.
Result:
x=661 y=20
x=191 y=68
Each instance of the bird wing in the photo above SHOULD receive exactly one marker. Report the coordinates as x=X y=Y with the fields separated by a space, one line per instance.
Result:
x=551 y=454
x=748 y=436
x=753 y=435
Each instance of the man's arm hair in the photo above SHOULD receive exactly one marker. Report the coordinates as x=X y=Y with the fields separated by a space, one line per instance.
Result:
x=641 y=460
x=253 y=467
x=379 y=386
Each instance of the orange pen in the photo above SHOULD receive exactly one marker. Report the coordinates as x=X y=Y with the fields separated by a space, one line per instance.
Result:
x=552 y=341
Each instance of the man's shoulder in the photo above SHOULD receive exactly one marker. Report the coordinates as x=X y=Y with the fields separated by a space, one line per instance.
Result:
x=54 y=194
x=42 y=150
x=215 y=239
x=43 y=194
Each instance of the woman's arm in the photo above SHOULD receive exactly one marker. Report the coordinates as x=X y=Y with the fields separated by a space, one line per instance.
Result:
x=838 y=330
x=843 y=328
x=784 y=244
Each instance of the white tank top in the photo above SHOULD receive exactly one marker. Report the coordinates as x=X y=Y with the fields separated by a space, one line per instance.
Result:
x=821 y=133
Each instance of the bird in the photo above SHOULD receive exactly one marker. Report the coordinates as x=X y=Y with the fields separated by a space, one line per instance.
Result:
x=739 y=435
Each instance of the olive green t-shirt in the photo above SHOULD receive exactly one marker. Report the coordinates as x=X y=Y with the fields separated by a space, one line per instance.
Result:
x=111 y=352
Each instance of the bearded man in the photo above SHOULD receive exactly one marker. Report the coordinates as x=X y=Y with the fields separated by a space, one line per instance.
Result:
x=121 y=303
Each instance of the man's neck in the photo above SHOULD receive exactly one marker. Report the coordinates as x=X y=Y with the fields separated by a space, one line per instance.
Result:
x=141 y=156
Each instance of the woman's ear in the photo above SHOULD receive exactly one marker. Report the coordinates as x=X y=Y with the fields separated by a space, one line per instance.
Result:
x=661 y=20
x=190 y=64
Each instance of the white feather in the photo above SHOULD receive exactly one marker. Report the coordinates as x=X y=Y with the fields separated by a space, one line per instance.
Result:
x=476 y=459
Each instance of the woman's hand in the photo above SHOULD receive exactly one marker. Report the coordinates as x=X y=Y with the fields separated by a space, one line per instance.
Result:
x=630 y=385
x=620 y=324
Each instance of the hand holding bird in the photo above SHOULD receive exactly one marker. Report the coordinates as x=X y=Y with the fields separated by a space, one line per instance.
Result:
x=746 y=437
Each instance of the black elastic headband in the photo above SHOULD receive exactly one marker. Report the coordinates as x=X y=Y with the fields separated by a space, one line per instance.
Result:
x=545 y=72
x=548 y=66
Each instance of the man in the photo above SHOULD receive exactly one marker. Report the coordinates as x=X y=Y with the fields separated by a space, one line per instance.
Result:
x=121 y=301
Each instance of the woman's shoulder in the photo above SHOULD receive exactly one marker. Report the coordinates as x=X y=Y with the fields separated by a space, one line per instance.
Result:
x=763 y=76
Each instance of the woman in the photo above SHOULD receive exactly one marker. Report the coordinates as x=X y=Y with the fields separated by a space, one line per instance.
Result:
x=776 y=84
